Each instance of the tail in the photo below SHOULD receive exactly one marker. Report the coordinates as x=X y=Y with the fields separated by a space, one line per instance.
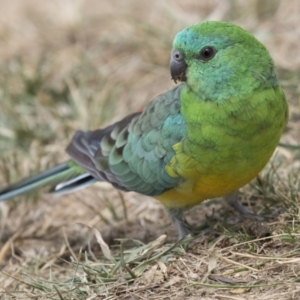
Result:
x=63 y=178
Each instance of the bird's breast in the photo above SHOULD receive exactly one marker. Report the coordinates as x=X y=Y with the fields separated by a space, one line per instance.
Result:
x=225 y=147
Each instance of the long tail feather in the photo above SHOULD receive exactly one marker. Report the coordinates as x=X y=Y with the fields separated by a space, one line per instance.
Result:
x=63 y=178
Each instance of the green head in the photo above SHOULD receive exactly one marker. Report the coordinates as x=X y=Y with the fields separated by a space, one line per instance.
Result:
x=219 y=60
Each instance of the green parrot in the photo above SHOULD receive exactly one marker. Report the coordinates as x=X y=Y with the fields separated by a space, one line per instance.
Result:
x=205 y=138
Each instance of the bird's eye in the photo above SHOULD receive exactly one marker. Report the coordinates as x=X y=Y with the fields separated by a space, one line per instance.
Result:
x=207 y=53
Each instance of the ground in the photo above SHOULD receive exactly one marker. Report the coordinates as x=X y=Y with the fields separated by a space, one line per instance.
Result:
x=68 y=65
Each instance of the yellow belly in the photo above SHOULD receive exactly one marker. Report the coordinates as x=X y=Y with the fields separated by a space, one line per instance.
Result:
x=192 y=192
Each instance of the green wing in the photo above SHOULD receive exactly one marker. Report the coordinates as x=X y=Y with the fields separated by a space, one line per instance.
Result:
x=132 y=154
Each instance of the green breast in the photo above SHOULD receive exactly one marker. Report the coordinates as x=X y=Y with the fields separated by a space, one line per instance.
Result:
x=227 y=145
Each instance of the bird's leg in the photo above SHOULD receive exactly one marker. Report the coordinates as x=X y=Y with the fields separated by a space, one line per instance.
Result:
x=233 y=200
x=176 y=215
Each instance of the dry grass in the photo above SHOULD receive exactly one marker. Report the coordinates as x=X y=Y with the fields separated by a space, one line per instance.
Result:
x=66 y=65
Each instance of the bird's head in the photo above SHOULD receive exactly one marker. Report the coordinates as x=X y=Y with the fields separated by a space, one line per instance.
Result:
x=219 y=60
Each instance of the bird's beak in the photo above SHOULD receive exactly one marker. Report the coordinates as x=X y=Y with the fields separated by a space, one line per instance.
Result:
x=178 y=66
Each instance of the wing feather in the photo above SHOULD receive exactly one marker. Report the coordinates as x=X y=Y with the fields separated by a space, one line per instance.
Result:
x=132 y=153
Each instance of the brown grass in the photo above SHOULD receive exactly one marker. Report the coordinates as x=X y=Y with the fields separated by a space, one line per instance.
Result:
x=68 y=65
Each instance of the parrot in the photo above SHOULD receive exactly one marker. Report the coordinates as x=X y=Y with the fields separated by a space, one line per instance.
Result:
x=205 y=138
